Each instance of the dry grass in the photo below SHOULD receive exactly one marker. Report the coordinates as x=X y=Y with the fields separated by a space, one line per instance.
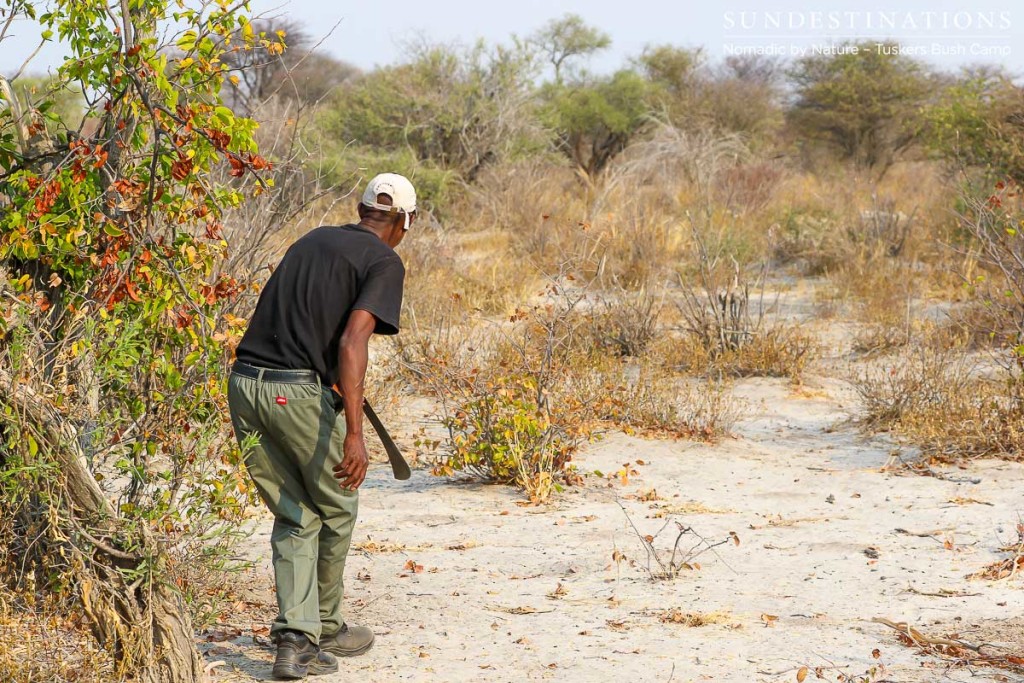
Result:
x=479 y=268
x=936 y=399
x=654 y=403
x=781 y=349
x=626 y=325
x=44 y=643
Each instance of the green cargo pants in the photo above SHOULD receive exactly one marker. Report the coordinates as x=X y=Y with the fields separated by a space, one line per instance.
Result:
x=301 y=438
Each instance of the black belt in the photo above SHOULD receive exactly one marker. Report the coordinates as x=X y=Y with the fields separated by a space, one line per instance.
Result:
x=273 y=375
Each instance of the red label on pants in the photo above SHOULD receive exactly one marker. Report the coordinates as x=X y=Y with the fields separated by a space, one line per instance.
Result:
x=281 y=401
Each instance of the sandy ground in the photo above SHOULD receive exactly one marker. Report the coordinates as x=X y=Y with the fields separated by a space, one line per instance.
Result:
x=461 y=583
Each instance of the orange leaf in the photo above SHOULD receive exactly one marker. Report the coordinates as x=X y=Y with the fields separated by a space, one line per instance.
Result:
x=801 y=675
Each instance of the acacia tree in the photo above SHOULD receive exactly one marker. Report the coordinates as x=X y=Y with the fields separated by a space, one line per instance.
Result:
x=591 y=118
x=562 y=41
x=457 y=109
x=595 y=119
x=865 y=103
x=116 y=470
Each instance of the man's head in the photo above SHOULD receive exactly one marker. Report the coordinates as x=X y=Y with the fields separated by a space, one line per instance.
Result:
x=388 y=207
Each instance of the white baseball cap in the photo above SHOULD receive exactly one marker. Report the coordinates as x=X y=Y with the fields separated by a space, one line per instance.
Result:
x=398 y=187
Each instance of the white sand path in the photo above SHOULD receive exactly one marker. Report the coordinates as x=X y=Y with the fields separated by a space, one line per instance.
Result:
x=803 y=492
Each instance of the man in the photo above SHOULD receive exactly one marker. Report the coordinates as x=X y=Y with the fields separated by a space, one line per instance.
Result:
x=304 y=356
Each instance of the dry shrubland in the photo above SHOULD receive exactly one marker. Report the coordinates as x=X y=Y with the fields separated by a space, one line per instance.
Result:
x=678 y=261
x=593 y=252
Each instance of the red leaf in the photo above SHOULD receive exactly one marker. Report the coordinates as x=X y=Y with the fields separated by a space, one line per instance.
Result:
x=237 y=167
x=181 y=168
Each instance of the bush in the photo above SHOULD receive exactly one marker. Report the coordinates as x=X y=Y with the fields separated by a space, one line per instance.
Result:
x=454 y=109
x=776 y=350
x=978 y=121
x=512 y=401
x=725 y=325
x=658 y=403
x=865 y=105
x=808 y=238
x=499 y=433
x=937 y=401
x=994 y=222
x=627 y=322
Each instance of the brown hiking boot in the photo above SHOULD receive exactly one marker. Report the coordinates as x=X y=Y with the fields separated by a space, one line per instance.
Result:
x=350 y=641
x=298 y=657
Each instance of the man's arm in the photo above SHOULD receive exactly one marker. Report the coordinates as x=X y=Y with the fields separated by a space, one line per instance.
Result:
x=353 y=356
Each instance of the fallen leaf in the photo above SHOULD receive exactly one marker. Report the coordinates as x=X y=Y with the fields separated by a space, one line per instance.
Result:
x=801 y=675
x=220 y=635
x=959 y=500
x=558 y=592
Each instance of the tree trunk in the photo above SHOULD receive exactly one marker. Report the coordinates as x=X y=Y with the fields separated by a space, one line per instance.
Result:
x=145 y=623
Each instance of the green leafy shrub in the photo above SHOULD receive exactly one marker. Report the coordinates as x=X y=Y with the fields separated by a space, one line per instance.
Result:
x=498 y=433
x=864 y=103
x=978 y=121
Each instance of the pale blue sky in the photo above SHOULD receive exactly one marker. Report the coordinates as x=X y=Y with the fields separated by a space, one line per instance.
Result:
x=372 y=33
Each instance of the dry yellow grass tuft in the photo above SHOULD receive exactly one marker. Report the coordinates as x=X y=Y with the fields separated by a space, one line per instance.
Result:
x=41 y=645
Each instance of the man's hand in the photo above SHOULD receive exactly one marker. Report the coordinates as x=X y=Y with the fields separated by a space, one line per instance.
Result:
x=352 y=358
x=351 y=471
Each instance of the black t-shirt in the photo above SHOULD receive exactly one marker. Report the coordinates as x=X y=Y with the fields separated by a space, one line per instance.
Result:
x=323 y=277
